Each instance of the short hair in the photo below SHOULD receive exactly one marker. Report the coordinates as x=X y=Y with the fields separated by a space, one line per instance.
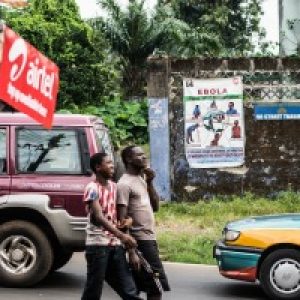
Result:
x=97 y=159
x=126 y=153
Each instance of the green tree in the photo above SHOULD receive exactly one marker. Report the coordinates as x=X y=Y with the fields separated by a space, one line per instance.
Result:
x=177 y=27
x=219 y=28
x=134 y=35
x=88 y=72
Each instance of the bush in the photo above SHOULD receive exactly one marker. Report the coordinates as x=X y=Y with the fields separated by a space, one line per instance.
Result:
x=127 y=120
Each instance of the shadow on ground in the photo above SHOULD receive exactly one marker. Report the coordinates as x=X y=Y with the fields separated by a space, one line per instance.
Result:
x=60 y=279
x=236 y=290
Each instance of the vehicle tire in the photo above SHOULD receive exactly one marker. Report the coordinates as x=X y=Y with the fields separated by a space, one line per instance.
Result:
x=60 y=259
x=280 y=274
x=26 y=254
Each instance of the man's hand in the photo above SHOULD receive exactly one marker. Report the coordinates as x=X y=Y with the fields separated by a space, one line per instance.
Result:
x=134 y=260
x=125 y=224
x=150 y=174
x=154 y=198
x=128 y=240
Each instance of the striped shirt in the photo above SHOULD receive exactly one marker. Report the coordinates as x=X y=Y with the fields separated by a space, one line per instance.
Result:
x=106 y=195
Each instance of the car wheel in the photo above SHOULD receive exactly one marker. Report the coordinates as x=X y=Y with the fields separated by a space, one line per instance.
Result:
x=61 y=258
x=280 y=274
x=25 y=254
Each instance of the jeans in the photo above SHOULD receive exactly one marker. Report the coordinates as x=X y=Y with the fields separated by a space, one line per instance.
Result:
x=144 y=281
x=108 y=263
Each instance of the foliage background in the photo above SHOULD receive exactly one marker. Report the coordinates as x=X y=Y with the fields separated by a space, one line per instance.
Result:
x=103 y=61
x=88 y=71
x=127 y=121
x=179 y=28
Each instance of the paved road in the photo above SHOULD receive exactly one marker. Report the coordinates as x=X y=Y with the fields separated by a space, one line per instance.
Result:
x=188 y=282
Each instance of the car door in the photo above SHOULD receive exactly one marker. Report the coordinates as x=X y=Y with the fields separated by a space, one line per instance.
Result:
x=52 y=162
x=5 y=179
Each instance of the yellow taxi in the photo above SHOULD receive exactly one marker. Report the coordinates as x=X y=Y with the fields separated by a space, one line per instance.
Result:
x=264 y=249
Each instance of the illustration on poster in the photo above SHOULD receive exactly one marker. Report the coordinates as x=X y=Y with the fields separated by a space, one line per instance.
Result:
x=231 y=110
x=214 y=123
x=196 y=112
x=236 y=130
x=189 y=133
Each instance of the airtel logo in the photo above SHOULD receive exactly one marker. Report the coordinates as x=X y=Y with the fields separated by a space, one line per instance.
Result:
x=36 y=75
x=18 y=49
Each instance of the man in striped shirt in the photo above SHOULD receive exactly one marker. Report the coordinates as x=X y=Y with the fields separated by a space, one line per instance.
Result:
x=105 y=253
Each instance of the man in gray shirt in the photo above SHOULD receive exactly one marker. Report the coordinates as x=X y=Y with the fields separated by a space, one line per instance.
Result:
x=137 y=198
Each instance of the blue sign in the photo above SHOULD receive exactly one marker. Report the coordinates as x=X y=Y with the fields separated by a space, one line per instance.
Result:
x=277 y=111
x=160 y=145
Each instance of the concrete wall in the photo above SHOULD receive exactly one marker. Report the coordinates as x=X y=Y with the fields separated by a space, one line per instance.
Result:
x=272 y=161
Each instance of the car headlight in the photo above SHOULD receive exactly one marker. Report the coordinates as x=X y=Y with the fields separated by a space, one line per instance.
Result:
x=231 y=235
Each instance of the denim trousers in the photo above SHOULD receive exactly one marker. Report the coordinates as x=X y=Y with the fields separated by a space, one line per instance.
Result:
x=108 y=263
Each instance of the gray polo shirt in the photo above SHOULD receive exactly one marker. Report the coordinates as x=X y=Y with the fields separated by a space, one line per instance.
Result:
x=132 y=192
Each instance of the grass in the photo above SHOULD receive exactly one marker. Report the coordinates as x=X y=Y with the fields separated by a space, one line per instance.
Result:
x=187 y=231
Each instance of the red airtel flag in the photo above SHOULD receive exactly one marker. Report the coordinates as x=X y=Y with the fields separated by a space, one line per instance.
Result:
x=28 y=79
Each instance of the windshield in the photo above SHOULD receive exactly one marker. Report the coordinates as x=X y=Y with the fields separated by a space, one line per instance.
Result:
x=103 y=141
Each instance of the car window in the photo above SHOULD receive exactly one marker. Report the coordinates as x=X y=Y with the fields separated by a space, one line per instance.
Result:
x=55 y=151
x=103 y=141
x=2 y=150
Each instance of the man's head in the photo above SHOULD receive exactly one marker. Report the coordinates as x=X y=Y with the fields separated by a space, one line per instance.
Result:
x=236 y=122
x=102 y=164
x=134 y=156
x=231 y=104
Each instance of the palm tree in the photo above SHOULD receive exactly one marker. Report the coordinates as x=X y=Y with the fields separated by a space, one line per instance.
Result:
x=134 y=35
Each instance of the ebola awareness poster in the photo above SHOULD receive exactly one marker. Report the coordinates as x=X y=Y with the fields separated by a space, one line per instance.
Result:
x=214 y=122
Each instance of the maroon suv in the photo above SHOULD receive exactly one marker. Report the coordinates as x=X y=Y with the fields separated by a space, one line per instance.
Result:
x=42 y=177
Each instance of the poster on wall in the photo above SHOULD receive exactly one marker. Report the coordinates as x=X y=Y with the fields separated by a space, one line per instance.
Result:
x=214 y=122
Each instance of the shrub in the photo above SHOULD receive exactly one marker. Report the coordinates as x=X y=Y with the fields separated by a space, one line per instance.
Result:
x=127 y=120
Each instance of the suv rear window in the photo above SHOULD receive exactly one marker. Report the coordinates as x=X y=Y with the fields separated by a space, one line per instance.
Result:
x=2 y=150
x=103 y=140
x=43 y=151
